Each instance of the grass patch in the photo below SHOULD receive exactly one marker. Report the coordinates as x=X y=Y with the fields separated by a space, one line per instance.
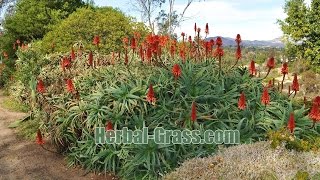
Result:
x=14 y=105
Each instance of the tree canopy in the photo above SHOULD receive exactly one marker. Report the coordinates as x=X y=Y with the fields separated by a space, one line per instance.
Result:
x=302 y=28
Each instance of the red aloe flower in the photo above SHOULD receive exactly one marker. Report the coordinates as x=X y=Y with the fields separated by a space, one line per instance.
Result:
x=317 y=100
x=125 y=42
x=238 y=39
x=149 y=54
x=90 y=59
x=194 y=111
x=252 y=68
x=40 y=87
x=109 y=126
x=39 y=138
x=284 y=69
x=141 y=53
x=198 y=31
x=242 y=101
x=219 y=41
x=65 y=63
x=18 y=41
x=207 y=29
x=291 y=123
x=295 y=84
x=314 y=113
x=183 y=54
x=96 y=40
x=133 y=44
x=218 y=52
x=238 y=53
x=150 y=96
x=70 y=86
x=72 y=54
x=190 y=39
x=265 y=98
x=172 y=50
x=195 y=27
x=271 y=63
x=126 y=60
x=176 y=71
x=183 y=34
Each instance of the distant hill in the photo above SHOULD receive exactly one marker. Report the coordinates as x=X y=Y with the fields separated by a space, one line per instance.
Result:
x=227 y=41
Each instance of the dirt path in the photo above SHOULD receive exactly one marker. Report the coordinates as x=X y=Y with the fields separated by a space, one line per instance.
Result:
x=20 y=159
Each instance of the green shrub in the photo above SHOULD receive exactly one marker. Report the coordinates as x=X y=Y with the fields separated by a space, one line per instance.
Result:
x=81 y=27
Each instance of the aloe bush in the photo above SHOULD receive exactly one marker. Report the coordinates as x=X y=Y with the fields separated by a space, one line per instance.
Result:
x=157 y=82
x=117 y=94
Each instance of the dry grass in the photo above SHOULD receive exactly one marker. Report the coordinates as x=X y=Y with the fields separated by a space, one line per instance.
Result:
x=253 y=161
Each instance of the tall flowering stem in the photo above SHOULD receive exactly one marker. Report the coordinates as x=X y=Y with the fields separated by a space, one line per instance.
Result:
x=238 y=51
x=270 y=65
x=284 y=71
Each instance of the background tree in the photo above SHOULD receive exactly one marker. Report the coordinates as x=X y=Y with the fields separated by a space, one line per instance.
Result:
x=155 y=11
x=302 y=28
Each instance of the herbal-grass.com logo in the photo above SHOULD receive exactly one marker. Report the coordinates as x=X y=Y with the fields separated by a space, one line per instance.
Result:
x=163 y=136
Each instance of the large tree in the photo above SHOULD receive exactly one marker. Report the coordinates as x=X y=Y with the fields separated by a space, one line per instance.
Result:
x=302 y=28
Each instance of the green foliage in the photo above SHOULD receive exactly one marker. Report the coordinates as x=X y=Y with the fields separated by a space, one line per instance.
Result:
x=121 y=100
x=81 y=27
x=14 y=105
x=302 y=175
x=304 y=142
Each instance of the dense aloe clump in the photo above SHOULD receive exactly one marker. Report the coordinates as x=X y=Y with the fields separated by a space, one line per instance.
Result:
x=117 y=94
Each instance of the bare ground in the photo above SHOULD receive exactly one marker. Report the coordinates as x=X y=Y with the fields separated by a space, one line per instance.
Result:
x=21 y=159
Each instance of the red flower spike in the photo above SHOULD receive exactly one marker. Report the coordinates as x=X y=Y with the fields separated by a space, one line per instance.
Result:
x=190 y=39
x=271 y=63
x=65 y=63
x=195 y=27
x=72 y=54
x=193 y=112
x=176 y=71
x=252 y=68
x=238 y=39
x=207 y=29
x=39 y=138
x=40 y=87
x=242 y=101
x=284 y=69
x=126 y=59
x=219 y=41
x=265 y=98
x=133 y=44
x=238 y=53
x=291 y=123
x=90 y=59
x=141 y=53
x=317 y=100
x=315 y=113
x=70 y=86
x=149 y=54
x=96 y=40
x=150 y=96
x=295 y=84
x=109 y=126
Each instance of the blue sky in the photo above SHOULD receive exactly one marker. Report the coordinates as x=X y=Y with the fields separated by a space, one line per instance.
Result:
x=253 y=19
